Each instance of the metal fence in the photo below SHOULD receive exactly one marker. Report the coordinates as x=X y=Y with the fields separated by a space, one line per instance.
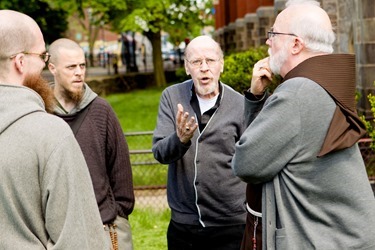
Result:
x=150 y=177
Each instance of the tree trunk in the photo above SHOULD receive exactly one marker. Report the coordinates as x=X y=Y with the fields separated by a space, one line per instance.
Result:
x=159 y=75
x=92 y=39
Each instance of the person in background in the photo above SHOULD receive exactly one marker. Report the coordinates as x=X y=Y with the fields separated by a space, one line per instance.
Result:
x=100 y=137
x=46 y=196
x=115 y=63
x=301 y=141
x=206 y=199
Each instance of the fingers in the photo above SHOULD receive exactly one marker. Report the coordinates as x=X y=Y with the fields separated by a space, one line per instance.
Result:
x=181 y=116
x=262 y=69
x=187 y=132
x=261 y=78
x=191 y=125
x=180 y=111
x=185 y=126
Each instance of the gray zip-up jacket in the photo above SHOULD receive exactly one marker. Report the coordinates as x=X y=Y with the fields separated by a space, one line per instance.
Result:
x=202 y=188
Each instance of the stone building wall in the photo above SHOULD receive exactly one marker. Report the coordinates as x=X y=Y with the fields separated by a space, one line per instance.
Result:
x=364 y=47
x=354 y=23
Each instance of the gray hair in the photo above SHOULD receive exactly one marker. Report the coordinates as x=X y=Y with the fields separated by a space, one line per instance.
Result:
x=292 y=2
x=317 y=35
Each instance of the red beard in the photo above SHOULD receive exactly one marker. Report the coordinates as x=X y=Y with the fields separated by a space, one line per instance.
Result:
x=75 y=96
x=40 y=85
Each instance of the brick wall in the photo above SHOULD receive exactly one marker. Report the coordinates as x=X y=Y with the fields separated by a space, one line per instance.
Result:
x=353 y=20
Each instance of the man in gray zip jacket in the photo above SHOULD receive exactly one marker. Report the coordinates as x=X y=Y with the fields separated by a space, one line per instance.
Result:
x=206 y=199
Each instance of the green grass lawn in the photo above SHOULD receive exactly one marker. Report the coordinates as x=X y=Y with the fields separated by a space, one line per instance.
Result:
x=137 y=111
x=149 y=229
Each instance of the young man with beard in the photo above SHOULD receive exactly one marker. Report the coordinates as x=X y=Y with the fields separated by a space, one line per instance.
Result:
x=206 y=199
x=100 y=136
x=301 y=141
x=46 y=196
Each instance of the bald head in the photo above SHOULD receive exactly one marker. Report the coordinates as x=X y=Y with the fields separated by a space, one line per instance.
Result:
x=310 y=22
x=18 y=33
x=202 y=42
x=62 y=43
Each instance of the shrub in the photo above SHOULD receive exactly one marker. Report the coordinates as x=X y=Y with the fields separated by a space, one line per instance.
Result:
x=238 y=68
x=369 y=124
x=370 y=165
x=370 y=128
x=181 y=74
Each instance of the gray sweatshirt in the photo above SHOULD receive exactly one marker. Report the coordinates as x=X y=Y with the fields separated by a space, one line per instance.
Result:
x=46 y=195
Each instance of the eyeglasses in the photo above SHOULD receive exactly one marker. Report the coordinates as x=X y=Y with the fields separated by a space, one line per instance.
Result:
x=198 y=62
x=271 y=34
x=44 y=56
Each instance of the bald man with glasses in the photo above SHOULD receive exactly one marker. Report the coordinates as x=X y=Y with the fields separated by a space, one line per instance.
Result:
x=300 y=148
x=199 y=122
x=46 y=196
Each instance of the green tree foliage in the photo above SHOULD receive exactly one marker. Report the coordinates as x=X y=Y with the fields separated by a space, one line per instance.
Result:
x=52 y=21
x=238 y=68
x=179 y=18
x=91 y=16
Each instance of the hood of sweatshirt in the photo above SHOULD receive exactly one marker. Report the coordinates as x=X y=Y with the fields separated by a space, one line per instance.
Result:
x=17 y=102
x=336 y=74
x=87 y=98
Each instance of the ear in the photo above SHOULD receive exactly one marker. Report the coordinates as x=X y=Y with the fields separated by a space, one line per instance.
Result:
x=222 y=66
x=52 y=68
x=187 y=69
x=20 y=62
x=298 y=45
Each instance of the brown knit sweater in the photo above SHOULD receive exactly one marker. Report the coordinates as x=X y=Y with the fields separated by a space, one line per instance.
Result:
x=107 y=155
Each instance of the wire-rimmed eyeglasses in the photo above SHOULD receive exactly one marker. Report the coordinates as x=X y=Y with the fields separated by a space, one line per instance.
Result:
x=198 y=62
x=44 y=56
x=271 y=34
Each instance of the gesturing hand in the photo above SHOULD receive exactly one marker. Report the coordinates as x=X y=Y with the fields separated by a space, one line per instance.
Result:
x=185 y=126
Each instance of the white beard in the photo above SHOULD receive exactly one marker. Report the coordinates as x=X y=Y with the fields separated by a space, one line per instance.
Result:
x=277 y=60
x=206 y=90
